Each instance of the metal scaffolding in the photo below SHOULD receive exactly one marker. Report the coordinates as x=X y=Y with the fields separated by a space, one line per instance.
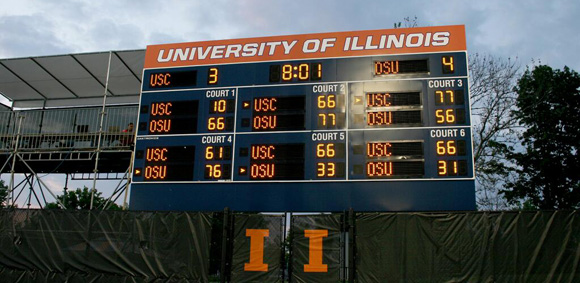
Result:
x=56 y=126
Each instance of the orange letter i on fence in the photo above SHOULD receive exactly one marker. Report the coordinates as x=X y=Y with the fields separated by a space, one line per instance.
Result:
x=315 y=251
x=256 y=250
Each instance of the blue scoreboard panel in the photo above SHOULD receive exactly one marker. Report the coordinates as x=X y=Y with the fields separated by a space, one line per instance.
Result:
x=373 y=133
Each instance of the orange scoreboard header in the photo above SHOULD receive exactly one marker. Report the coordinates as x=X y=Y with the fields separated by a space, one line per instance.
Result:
x=306 y=46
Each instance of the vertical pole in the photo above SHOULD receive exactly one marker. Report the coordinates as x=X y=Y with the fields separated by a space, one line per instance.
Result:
x=14 y=154
x=290 y=254
x=352 y=247
x=65 y=189
x=96 y=170
x=129 y=174
x=225 y=234
x=283 y=251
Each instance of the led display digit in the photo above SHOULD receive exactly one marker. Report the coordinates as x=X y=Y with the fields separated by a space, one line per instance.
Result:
x=222 y=106
x=452 y=168
x=449 y=97
x=450 y=116
x=220 y=124
x=330 y=170
x=450 y=147
x=217 y=171
x=218 y=152
x=447 y=64
x=212 y=76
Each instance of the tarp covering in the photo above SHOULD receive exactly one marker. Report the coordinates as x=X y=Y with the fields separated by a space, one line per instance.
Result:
x=97 y=246
x=257 y=247
x=459 y=247
x=309 y=263
x=84 y=246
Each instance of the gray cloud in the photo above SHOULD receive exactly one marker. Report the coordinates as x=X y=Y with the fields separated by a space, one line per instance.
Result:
x=28 y=35
x=544 y=30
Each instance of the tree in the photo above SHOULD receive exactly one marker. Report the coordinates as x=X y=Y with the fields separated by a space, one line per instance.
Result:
x=492 y=95
x=548 y=161
x=409 y=22
x=3 y=194
x=81 y=199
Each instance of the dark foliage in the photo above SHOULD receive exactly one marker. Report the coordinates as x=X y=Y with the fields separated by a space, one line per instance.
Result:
x=548 y=164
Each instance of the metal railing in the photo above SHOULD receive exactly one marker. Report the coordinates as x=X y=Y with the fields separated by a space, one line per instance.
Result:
x=67 y=129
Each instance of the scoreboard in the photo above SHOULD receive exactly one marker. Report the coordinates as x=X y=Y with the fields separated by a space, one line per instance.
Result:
x=370 y=120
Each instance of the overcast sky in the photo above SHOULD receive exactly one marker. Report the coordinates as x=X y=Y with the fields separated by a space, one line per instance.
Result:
x=542 y=30
x=547 y=31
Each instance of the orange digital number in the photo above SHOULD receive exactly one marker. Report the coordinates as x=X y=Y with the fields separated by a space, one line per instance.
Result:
x=209 y=153
x=317 y=75
x=327 y=101
x=455 y=167
x=303 y=72
x=214 y=170
x=451 y=168
x=219 y=106
x=327 y=119
x=450 y=96
x=216 y=124
x=439 y=97
x=445 y=116
x=444 y=97
x=325 y=150
x=442 y=168
x=212 y=76
x=447 y=63
x=325 y=169
x=287 y=72
x=446 y=148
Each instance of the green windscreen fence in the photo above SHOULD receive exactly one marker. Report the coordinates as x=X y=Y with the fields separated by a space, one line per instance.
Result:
x=317 y=248
x=82 y=246
x=257 y=253
x=459 y=247
x=132 y=246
